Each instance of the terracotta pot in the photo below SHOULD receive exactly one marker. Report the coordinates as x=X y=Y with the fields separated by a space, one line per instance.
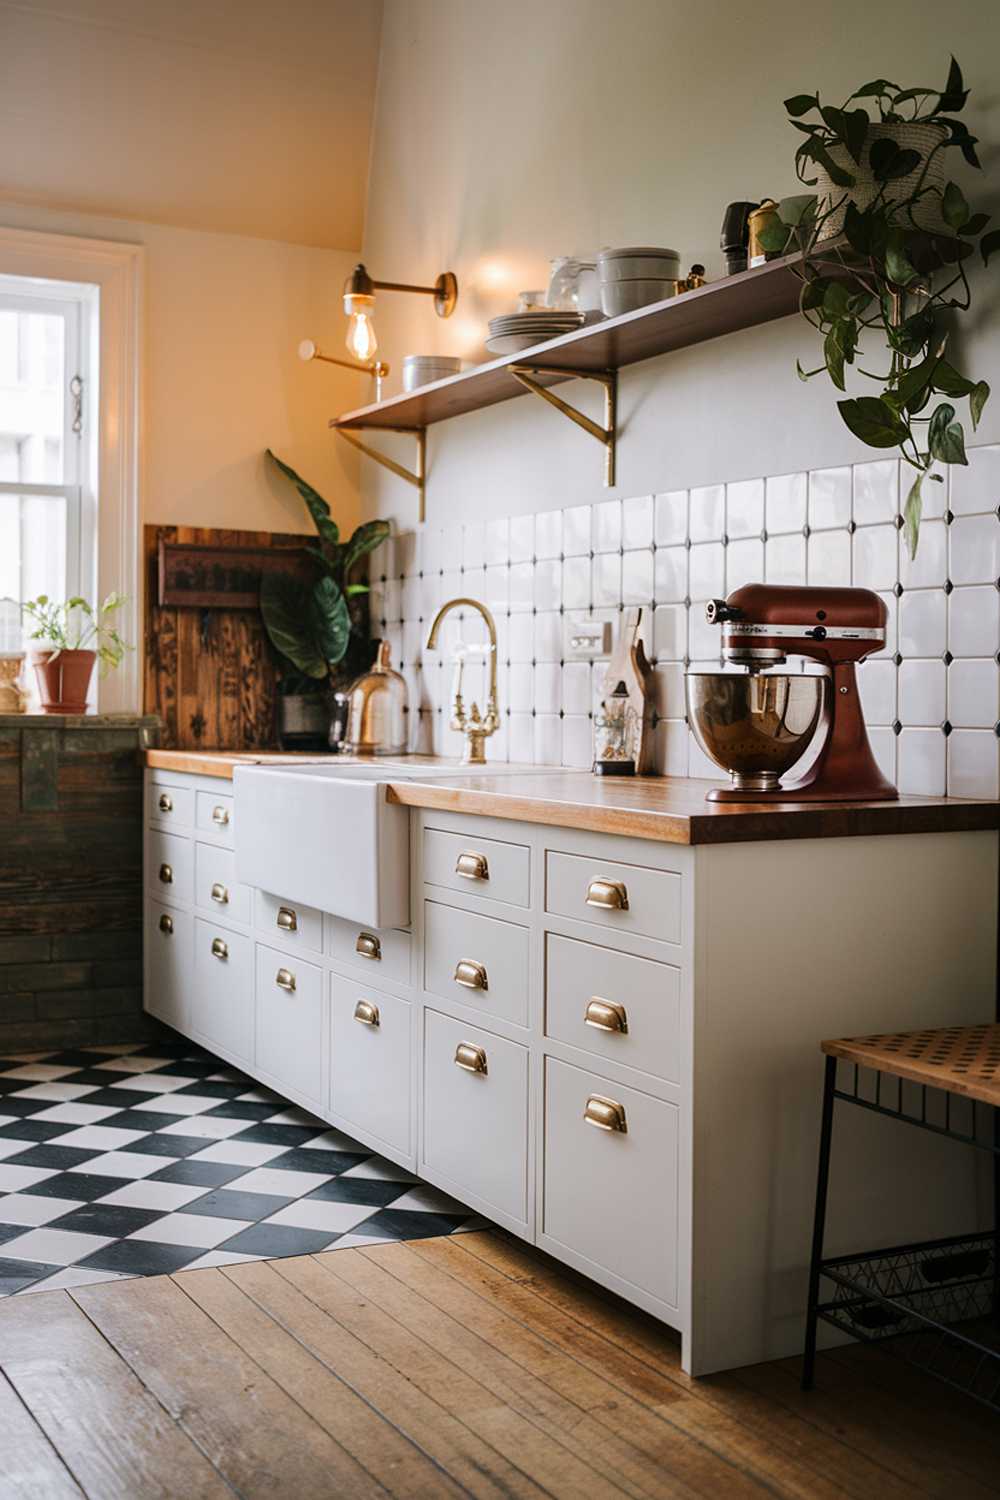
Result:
x=63 y=679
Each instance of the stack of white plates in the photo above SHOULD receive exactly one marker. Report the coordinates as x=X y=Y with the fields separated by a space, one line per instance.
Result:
x=512 y=332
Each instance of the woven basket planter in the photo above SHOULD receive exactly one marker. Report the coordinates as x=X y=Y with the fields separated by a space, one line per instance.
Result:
x=927 y=213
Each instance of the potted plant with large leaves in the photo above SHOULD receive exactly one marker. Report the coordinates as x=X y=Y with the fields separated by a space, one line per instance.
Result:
x=72 y=636
x=883 y=240
x=320 y=634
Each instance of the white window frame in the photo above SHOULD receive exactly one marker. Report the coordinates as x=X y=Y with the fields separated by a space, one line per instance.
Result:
x=114 y=378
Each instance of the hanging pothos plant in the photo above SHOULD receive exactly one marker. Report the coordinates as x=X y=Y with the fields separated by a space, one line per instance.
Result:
x=317 y=631
x=884 y=239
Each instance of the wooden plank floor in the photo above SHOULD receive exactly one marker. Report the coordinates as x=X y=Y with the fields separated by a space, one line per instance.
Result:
x=436 y=1368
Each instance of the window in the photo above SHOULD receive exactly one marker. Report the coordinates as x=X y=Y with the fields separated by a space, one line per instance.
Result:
x=69 y=452
x=47 y=511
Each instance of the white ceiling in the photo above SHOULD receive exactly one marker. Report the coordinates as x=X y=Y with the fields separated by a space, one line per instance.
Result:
x=245 y=116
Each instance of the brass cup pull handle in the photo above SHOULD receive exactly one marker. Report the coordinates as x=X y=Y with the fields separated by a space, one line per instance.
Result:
x=220 y=894
x=366 y=1013
x=286 y=919
x=368 y=945
x=606 y=1114
x=471 y=1058
x=220 y=816
x=165 y=804
x=606 y=1015
x=167 y=924
x=166 y=875
x=472 y=866
x=609 y=895
x=219 y=948
x=471 y=975
x=285 y=980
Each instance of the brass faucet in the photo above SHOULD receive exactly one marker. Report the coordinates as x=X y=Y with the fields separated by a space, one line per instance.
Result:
x=475 y=727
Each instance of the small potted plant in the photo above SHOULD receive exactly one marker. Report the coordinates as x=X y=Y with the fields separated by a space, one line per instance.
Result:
x=73 y=635
x=320 y=635
x=883 y=239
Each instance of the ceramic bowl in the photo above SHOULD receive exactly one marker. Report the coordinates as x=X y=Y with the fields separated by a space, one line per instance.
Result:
x=626 y=296
x=643 y=263
x=423 y=369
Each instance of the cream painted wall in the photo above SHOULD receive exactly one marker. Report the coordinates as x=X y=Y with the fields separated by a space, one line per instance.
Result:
x=223 y=316
x=508 y=134
x=235 y=115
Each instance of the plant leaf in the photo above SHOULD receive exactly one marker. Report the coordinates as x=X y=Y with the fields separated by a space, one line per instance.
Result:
x=978 y=397
x=945 y=439
x=962 y=137
x=833 y=353
x=813 y=292
x=879 y=88
x=328 y=529
x=801 y=104
x=797 y=209
x=873 y=421
x=955 y=93
x=857 y=228
x=367 y=537
x=897 y=262
x=912 y=511
x=835 y=299
x=281 y=606
x=950 y=382
x=772 y=234
x=913 y=333
x=954 y=206
x=882 y=154
x=988 y=244
x=976 y=224
x=915 y=380
x=331 y=621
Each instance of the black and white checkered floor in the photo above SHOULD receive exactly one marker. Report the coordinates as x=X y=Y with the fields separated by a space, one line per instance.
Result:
x=122 y=1161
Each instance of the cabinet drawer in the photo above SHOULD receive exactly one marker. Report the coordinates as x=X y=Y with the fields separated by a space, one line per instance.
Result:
x=221 y=1010
x=480 y=961
x=383 y=950
x=477 y=866
x=297 y=928
x=476 y=1122
x=168 y=955
x=371 y=1054
x=169 y=806
x=169 y=866
x=214 y=814
x=288 y=1031
x=609 y=1196
x=623 y=898
x=215 y=887
x=614 y=1005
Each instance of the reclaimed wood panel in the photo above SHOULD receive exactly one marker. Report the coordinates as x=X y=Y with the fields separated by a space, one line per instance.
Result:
x=209 y=673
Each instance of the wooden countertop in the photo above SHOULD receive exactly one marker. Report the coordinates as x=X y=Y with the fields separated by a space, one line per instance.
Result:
x=671 y=809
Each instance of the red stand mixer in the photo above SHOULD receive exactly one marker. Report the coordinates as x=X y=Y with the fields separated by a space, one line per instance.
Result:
x=759 y=725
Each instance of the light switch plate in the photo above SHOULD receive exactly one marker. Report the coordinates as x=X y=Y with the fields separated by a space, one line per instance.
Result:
x=586 y=640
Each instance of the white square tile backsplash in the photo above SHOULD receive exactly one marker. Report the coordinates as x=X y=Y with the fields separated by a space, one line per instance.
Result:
x=932 y=697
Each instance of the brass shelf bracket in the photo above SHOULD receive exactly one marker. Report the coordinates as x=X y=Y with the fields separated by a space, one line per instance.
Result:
x=606 y=435
x=417 y=477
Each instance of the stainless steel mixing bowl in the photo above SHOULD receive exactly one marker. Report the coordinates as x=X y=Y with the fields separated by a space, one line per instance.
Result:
x=755 y=726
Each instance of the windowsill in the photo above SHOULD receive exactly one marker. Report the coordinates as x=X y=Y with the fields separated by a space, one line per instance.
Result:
x=79 y=721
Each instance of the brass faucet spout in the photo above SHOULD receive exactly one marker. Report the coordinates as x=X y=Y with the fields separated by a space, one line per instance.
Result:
x=475 y=728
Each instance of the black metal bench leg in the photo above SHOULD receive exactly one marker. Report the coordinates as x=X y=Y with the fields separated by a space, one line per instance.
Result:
x=819 y=1222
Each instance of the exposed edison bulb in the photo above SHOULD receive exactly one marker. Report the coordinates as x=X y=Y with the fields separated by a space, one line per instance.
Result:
x=361 y=340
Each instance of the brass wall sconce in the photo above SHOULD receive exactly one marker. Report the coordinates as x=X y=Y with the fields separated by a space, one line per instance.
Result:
x=308 y=350
x=359 y=304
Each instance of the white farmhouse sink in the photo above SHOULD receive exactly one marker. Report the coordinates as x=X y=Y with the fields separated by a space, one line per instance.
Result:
x=327 y=836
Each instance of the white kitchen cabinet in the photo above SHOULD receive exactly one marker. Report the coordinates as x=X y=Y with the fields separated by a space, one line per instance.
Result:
x=168 y=953
x=371 y=1063
x=727 y=963
x=289 y=1025
x=475 y=1116
x=222 y=1003
x=216 y=888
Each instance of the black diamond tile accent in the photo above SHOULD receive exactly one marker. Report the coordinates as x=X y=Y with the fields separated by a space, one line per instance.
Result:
x=236 y=1109
x=947 y=658
x=898 y=659
x=188 y=1067
x=120 y=1098
x=897 y=589
x=946 y=728
x=279 y=1135
x=62 y=1158
x=167 y=1145
x=144 y=1119
x=277 y=1240
x=302 y=1160
x=112 y=1219
x=103 y=1077
x=10 y=1104
x=205 y=1090
x=948 y=586
x=17 y=1274
x=207 y=1174
x=897 y=727
x=141 y=1258
x=402 y=1224
x=74 y=1058
x=230 y=1203
x=78 y=1187
x=363 y=1190
x=32 y=1130
x=9 y=1231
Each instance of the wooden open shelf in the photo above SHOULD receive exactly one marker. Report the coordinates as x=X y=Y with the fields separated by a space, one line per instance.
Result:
x=724 y=306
